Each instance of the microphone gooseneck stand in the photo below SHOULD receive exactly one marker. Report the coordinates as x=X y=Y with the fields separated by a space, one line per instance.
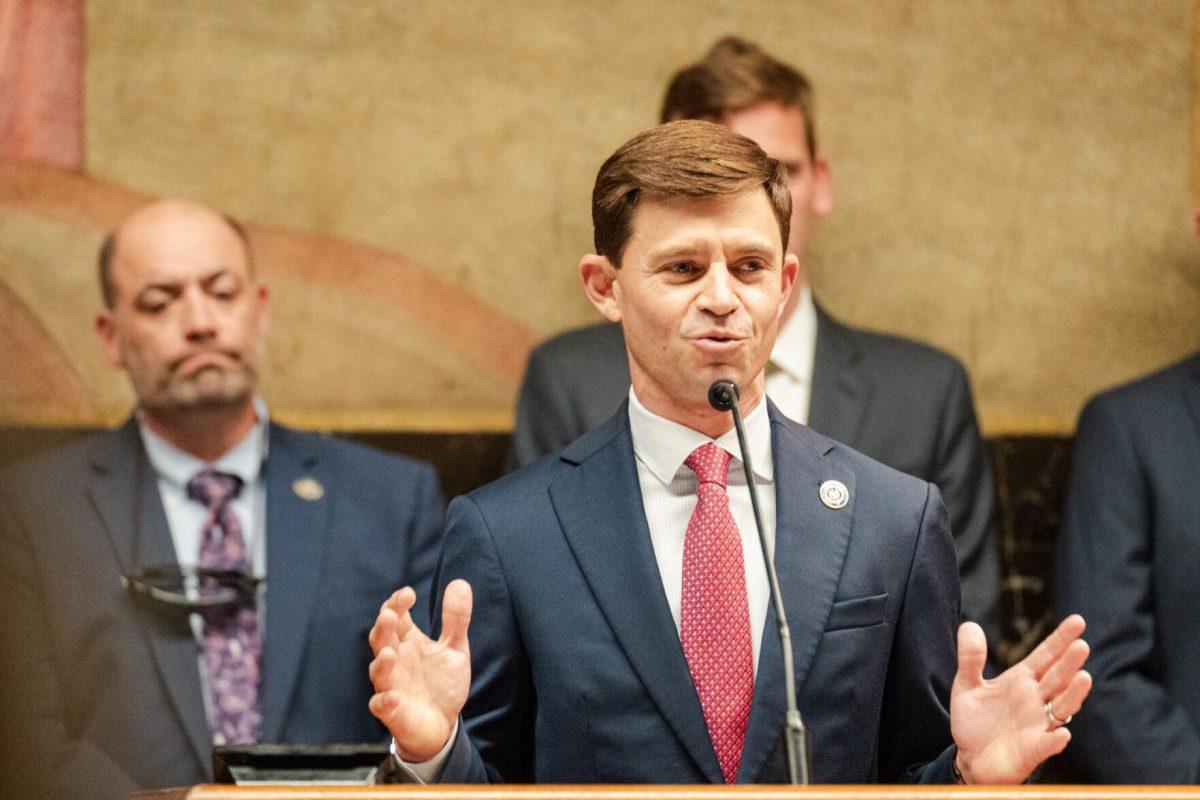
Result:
x=723 y=396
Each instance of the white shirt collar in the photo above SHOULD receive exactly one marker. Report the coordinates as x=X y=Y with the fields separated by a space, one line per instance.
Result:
x=244 y=459
x=796 y=345
x=662 y=445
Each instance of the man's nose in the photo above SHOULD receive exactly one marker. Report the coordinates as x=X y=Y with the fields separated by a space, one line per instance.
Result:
x=199 y=321
x=717 y=296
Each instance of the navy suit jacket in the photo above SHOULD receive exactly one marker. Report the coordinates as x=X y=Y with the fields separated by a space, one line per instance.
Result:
x=898 y=401
x=102 y=695
x=1128 y=559
x=578 y=674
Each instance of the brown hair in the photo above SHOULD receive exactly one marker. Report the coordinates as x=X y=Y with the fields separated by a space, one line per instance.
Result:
x=689 y=158
x=108 y=249
x=735 y=74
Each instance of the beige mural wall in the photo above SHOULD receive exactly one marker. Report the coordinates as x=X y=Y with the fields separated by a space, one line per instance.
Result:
x=1012 y=180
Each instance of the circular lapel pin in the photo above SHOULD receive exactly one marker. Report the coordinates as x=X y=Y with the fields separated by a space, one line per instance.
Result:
x=834 y=494
x=308 y=488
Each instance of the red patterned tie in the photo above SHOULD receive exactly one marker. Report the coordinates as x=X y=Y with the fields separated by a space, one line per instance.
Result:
x=715 y=617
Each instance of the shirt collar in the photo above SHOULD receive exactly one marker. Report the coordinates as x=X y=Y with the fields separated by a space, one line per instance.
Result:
x=662 y=445
x=244 y=459
x=796 y=345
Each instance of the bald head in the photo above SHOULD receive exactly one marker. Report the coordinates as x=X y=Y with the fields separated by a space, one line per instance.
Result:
x=165 y=217
x=184 y=315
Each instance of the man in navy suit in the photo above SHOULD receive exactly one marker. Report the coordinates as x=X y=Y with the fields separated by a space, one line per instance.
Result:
x=106 y=690
x=615 y=595
x=1127 y=557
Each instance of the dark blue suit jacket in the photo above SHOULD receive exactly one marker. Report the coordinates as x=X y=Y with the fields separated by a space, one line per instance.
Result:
x=578 y=673
x=1129 y=560
x=893 y=399
x=102 y=695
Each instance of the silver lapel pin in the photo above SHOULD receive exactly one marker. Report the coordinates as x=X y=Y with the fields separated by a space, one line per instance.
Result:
x=834 y=494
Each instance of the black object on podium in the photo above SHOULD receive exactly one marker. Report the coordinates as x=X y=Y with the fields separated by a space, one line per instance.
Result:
x=298 y=764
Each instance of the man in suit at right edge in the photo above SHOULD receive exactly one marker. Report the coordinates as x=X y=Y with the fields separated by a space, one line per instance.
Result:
x=897 y=401
x=1127 y=557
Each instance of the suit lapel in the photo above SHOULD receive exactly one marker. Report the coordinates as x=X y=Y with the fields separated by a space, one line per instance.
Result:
x=840 y=390
x=297 y=534
x=810 y=548
x=1191 y=392
x=138 y=532
x=599 y=506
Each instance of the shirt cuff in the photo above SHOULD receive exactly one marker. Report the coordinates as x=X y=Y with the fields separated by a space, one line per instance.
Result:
x=427 y=771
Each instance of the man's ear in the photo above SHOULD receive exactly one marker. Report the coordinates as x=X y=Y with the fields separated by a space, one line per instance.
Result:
x=599 y=281
x=263 y=298
x=106 y=332
x=822 y=196
x=788 y=275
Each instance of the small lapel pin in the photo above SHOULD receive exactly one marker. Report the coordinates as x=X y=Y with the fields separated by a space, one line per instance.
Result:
x=308 y=488
x=834 y=494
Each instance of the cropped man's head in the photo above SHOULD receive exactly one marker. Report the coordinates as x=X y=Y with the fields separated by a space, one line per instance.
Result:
x=741 y=86
x=734 y=75
x=183 y=314
x=691 y=227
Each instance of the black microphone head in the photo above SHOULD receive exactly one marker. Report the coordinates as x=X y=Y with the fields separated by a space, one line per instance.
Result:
x=722 y=395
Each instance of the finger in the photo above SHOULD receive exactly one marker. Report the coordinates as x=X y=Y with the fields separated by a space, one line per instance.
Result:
x=456 y=614
x=1063 y=670
x=1071 y=700
x=1051 y=743
x=972 y=655
x=382 y=705
x=383 y=632
x=400 y=603
x=381 y=670
x=394 y=620
x=1053 y=646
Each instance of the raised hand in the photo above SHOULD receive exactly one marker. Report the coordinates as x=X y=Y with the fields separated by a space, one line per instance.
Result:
x=1006 y=727
x=420 y=684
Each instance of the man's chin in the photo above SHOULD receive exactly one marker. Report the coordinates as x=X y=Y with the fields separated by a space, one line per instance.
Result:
x=209 y=392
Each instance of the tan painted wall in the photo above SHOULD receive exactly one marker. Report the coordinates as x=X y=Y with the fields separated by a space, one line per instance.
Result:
x=1012 y=178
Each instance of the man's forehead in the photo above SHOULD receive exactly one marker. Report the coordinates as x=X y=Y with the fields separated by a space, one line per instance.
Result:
x=778 y=129
x=745 y=219
x=177 y=247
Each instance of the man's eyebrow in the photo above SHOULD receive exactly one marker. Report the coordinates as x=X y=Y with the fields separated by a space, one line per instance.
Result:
x=218 y=274
x=170 y=287
x=670 y=252
x=752 y=246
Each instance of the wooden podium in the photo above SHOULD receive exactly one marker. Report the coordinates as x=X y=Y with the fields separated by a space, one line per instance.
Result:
x=547 y=792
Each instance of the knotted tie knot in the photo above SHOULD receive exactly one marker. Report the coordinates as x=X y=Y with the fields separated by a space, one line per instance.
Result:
x=213 y=488
x=710 y=463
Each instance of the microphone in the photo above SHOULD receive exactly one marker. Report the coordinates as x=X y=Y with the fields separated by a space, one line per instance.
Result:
x=723 y=396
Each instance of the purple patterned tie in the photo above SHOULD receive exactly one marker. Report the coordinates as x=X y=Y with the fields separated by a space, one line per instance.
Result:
x=232 y=643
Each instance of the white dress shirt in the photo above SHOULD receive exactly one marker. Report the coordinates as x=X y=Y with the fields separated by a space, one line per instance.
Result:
x=669 y=498
x=790 y=368
x=668 y=487
x=186 y=517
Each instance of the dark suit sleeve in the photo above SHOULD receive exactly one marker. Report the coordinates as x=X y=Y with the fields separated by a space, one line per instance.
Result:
x=499 y=713
x=964 y=476
x=424 y=540
x=39 y=756
x=1130 y=729
x=915 y=719
x=545 y=420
